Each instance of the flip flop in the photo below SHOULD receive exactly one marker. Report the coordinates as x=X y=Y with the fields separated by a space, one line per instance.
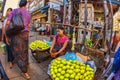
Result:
x=26 y=77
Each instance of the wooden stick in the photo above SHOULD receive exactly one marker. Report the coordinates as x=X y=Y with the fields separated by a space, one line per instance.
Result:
x=77 y=27
x=85 y=58
x=95 y=50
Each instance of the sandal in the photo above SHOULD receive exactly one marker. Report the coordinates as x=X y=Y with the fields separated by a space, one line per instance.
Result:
x=10 y=65
x=26 y=77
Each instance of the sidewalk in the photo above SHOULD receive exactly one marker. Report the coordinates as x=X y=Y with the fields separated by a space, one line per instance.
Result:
x=38 y=71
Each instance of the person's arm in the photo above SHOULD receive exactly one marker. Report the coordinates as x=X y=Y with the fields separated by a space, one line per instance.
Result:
x=53 y=44
x=28 y=27
x=7 y=25
x=29 y=18
x=3 y=33
x=9 y=19
x=63 y=48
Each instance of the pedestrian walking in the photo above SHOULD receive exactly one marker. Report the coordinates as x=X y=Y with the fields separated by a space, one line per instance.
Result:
x=8 y=48
x=19 y=41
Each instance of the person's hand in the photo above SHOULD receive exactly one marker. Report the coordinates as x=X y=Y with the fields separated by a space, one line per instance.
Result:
x=51 y=54
x=7 y=41
x=50 y=51
x=54 y=55
x=2 y=39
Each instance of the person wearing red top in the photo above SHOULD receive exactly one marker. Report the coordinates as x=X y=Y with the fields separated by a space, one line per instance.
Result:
x=59 y=43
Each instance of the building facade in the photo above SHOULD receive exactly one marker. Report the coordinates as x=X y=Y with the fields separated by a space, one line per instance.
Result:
x=43 y=11
x=10 y=4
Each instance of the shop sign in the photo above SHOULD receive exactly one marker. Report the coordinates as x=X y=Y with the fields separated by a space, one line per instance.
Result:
x=36 y=5
x=97 y=23
x=41 y=4
x=54 y=6
x=60 y=2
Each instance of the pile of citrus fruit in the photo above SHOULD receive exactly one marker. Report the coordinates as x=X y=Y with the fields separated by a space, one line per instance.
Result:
x=39 y=44
x=61 y=69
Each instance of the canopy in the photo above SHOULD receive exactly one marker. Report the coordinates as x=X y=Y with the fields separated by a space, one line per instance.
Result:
x=115 y=1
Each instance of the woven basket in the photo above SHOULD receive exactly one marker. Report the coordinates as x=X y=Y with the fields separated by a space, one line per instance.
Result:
x=38 y=51
x=41 y=55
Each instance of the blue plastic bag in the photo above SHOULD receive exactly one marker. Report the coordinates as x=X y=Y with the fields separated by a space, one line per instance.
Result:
x=70 y=56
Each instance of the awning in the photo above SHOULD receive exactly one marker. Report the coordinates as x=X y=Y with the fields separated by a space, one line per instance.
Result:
x=115 y=1
x=76 y=0
x=38 y=16
x=66 y=1
x=45 y=9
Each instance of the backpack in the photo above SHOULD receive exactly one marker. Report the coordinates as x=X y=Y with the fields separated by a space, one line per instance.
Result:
x=16 y=25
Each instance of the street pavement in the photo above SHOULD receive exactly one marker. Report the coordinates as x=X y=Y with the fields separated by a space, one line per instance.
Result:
x=38 y=71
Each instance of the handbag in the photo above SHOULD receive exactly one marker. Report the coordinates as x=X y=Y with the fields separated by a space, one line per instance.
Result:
x=16 y=25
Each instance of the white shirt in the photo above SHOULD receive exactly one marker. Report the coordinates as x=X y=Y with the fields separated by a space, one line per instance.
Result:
x=5 y=21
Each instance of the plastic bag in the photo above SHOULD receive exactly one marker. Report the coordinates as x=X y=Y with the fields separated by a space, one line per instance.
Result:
x=3 y=45
x=70 y=56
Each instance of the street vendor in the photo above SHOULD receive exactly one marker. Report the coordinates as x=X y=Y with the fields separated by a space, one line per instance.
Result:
x=59 y=43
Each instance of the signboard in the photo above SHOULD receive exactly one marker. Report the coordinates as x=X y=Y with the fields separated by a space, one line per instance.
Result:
x=60 y=2
x=54 y=6
x=41 y=4
x=97 y=24
x=36 y=5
